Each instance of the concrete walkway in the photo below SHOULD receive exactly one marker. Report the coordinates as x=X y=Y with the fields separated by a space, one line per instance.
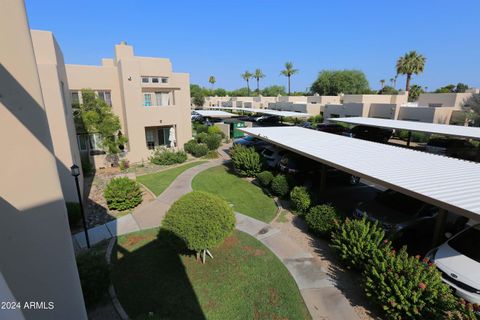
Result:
x=323 y=299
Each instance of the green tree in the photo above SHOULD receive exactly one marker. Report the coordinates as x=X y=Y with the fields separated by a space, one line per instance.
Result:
x=333 y=82
x=472 y=107
x=446 y=89
x=415 y=92
x=288 y=72
x=241 y=92
x=220 y=92
x=461 y=87
x=212 y=81
x=258 y=75
x=247 y=76
x=388 y=90
x=411 y=63
x=97 y=117
x=273 y=91
x=198 y=99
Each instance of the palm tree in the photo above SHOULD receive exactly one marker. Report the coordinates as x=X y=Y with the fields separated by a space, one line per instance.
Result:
x=288 y=72
x=258 y=75
x=382 y=83
x=212 y=81
x=247 y=76
x=411 y=63
x=392 y=81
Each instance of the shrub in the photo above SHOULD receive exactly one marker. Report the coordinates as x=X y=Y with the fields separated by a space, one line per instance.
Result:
x=202 y=137
x=300 y=199
x=279 y=185
x=265 y=178
x=122 y=194
x=406 y=287
x=200 y=150
x=356 y=241
x=216 y=130
x=416 y=136
x=74 y=214
x=202 y=220
x=190 y=146
x=213 y=141
x=199 y=128
x=212 y=154
x=124 y=164
x=246 y=161
x=94 y=275
x=162 y=156
x=322 y=219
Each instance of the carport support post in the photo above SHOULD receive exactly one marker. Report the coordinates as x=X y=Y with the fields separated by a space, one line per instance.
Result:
x=439 y=227
x=409 y=138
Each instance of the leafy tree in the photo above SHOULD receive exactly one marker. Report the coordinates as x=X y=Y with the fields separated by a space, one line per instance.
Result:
x=220 y=92
x=333 y=82
x=195 y=89
x=288 y=72
x=258 y=75
x=415 y=92
x=198 y=99
x=388 y=90
x=411 y=63
x=273 y=91
x=212 y=81
x=461 y=87
x=451 y=88
x=247 y=76
x=241 y=92
x=97 y=117
x=472 y=107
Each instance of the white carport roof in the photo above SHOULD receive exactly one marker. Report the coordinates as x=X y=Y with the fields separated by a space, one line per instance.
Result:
x=269 y=112
x=444 y=129
x=215 y=113
x=448 y=183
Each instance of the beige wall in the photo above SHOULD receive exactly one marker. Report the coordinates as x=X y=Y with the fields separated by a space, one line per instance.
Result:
x=454 y=100
x=123 y=77
x=383 y=110
x=37 y=262
x=343 y=110
x=53 y=80
x=426 y=114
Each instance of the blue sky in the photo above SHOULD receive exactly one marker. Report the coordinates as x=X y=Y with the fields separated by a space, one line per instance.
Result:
x=226 y=37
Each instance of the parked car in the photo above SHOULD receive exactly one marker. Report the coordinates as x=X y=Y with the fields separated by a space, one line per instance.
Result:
x=452 y=147
x=268 y=119
x=272 y=156
x=307 y=125
x=458 y=260
x=330 y=128
x=369 y=133
x=400 y=215
x=250 y=141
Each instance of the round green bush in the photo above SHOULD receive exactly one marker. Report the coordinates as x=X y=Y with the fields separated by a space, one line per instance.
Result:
x=94 y=275
x=213 y=141
x=122 y=194
x=322 y=219
x=200 y=150
x=216 y=130
x=202 y=220
x=246 y=161
x=300 y=199
x=202 y=137
x=279 y=185
x=190 y=146
x=265 y=178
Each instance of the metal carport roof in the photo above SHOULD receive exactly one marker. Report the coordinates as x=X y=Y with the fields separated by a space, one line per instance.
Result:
x=215 y=113
x=269 y=112
x=444 y=129
x=448 y=183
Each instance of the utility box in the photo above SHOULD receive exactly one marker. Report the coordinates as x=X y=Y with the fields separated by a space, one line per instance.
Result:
x=234 y=132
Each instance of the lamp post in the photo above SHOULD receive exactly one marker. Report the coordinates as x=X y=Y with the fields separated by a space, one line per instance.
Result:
x=75 y=173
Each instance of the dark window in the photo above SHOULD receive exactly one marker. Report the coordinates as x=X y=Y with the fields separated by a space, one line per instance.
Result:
x=154 y=80
x=145 y=80
x=164 y=80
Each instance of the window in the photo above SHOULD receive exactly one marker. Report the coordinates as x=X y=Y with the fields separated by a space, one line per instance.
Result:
x=75 y=99
x=164 y=80
x=105 y=96
x=145 y=80
x=149 y=135
x=162 y=98
x=154 y=80
x=164 y=136
x=95 y=142
x=147 y=99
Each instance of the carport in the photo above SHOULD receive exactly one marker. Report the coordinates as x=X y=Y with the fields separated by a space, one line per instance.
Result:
x=450 y=184
x=278 y=113
x=442 y=129
x=214 y=114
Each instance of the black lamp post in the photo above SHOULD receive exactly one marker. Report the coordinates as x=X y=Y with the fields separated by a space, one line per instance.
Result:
x=76 y=172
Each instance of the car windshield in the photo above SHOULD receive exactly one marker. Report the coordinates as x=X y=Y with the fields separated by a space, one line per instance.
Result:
x=249 y=138
x=267 y=152
x=467 y=243
x=400 y=202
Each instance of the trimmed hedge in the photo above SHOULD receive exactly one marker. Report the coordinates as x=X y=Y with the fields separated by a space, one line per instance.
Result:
x=202 y=220
x=246 y=161
x=122 y=194
x=265 y=178
x=94 y=275
x=300 y=199
x=322 y=219
x=168 y=157
x=280 y=185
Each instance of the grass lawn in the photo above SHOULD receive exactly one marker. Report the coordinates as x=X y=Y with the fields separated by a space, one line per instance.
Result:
x=245 y=196
x=243 y=281
x=158 y=182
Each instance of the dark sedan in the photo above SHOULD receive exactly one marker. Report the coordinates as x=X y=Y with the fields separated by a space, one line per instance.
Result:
x=250 y=141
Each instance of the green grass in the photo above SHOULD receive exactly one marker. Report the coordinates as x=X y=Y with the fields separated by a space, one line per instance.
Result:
x=245 y=196
x=159 y=181
x=243 y=281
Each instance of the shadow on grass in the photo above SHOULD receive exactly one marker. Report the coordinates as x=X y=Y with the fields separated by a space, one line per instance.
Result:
x=150 y=279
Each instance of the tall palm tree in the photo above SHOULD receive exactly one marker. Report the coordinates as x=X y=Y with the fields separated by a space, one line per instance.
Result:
x=247 y=76
x=258 y=75
x=392 y=81
x=288 y=72
x=212 y=81
x=411 y=63
x=382 y=83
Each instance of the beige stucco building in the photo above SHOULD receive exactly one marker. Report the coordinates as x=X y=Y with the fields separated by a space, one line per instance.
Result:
x=37 y=260
x=152 y=101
